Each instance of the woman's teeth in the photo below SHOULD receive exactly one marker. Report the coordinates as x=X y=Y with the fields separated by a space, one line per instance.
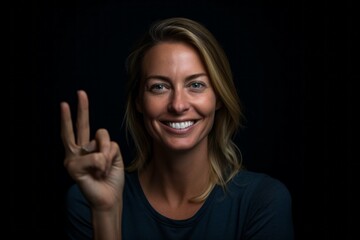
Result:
x=180 y=125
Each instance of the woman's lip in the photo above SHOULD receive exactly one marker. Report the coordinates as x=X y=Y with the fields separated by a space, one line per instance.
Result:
x=178 y=130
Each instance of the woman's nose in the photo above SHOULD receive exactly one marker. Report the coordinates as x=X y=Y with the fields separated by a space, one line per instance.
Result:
x=178 y=102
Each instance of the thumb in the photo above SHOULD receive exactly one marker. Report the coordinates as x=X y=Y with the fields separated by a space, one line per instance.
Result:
x=90 y=147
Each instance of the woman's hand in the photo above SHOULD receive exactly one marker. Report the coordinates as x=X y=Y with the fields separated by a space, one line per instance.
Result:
x=96 y=165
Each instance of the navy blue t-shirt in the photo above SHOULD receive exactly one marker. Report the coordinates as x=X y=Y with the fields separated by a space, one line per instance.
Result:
x=254 y=206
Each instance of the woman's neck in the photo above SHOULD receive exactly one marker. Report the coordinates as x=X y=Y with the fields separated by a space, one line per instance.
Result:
x=177 y=176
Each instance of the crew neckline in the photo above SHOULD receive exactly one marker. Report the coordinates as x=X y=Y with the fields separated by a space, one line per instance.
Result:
x=169 y=221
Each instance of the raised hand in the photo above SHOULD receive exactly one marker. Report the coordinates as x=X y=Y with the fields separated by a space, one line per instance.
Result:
x=96 y=165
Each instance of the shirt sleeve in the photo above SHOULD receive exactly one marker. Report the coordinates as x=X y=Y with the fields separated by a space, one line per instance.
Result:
x=270 y=212
x=78 y=216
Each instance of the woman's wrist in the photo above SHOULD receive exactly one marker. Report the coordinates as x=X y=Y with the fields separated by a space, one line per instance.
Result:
x=107 y=223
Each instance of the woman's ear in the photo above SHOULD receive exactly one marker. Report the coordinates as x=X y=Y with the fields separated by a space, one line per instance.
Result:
x=218 y=104
x=138 y=105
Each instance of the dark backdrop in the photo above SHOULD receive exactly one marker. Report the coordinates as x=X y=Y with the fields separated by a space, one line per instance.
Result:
x=285 y=59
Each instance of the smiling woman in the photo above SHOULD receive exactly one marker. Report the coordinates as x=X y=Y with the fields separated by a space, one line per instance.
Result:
x=177 y=100
x=186 y=181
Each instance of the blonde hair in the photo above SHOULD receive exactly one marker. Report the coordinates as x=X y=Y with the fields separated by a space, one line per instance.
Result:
x=224 y=155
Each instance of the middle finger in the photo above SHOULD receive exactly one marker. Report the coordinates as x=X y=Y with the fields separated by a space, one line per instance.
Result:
x=82 y=122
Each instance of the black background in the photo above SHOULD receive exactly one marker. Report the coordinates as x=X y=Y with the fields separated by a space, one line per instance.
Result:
x=293 y=70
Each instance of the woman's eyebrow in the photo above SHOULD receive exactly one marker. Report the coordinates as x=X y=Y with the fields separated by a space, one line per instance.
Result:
x=164 y=78
x=193 y=76
x=159 y=77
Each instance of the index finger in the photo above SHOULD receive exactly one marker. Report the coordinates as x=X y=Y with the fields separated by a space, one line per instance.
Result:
x=67 y=132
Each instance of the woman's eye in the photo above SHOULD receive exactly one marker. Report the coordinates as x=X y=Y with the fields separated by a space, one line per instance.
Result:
x=197 y=85
x=157 y=88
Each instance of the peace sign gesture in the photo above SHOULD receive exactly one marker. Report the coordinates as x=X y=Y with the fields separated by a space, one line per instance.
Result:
x=96 y=165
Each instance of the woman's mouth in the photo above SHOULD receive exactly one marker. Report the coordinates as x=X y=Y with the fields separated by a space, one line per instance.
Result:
x=180 y=125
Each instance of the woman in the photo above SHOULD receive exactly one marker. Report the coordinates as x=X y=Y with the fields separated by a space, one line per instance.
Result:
x=186 y=181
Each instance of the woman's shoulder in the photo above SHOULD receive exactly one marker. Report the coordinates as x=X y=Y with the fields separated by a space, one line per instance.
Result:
x=265 y=202
x=75 y=200
x=258 y=184
x=77 y=207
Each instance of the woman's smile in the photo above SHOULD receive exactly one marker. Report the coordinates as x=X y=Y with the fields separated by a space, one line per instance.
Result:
x=180 y=125
x=178 y=128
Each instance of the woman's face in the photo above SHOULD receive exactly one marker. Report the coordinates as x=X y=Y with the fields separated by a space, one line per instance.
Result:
x=178 y=102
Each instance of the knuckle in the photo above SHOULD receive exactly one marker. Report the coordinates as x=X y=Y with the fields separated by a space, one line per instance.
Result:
x=68 y=163
x=99 y=161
